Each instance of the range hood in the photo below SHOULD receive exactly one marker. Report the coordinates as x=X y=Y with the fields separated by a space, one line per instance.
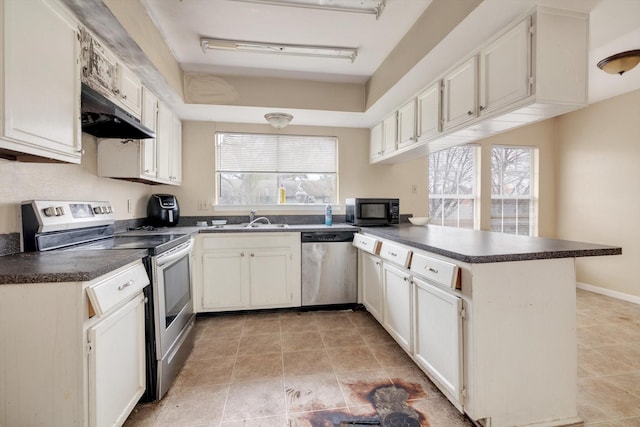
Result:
x=104 y=119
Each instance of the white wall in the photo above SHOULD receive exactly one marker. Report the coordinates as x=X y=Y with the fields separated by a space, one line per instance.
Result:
x=597 y=188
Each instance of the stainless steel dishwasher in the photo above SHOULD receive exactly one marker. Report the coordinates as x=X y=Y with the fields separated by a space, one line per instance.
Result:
x=329 y=268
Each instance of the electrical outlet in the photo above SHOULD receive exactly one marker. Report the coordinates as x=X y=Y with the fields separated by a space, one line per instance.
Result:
x=414 y=188
x=203 y=205
x=129 y=205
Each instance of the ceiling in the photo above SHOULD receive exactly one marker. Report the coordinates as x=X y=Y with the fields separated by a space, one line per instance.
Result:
x=613 y=28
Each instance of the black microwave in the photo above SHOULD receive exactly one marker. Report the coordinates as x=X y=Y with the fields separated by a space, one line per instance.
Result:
x=367 y=212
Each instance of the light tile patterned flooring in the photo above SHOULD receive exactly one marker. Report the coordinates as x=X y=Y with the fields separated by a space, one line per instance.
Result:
x=310 y=369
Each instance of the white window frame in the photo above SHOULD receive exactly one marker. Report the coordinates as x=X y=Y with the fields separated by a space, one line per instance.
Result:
x=533 y=196
x=475 y=196
x=276 y=207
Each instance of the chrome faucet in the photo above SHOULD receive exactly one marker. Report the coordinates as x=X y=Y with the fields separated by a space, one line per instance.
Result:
x=252 y=215
x=253 y=222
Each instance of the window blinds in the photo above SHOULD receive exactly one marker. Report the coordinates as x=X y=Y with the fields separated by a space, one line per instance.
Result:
x=241 y=152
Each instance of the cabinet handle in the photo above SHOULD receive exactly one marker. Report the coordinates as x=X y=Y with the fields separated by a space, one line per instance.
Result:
x=482 y=107
x=469 y=113
x=405 y=278
x=377 y=262
x=126 y=285
x=124 y=97
x=116 y=91
x=252 y=254
x=81 y=151
x=393 y=254
x=241 y=253
x=431 y=269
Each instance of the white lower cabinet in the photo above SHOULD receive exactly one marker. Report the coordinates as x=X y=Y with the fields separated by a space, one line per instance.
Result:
x=371 y=283
x=397 y=304
x=79 y=359
x=116 y=378
x=238 y=271
x=437 y=338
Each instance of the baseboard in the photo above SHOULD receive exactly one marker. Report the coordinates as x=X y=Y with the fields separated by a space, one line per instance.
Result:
x=608 y=292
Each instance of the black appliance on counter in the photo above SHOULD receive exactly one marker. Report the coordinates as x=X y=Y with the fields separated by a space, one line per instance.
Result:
x=372 y=212
x=163 y=210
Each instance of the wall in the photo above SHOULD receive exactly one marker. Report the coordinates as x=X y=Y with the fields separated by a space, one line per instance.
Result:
x=356 y=176
x=57 y=181
x=597 y=188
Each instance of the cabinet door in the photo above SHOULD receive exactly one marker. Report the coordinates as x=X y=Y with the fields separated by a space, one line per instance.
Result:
x=438 y=336
x=175 y=165
x=407 y=124
x=129 y=91
x=397 y=304
x=371 y=281
x=460 y=94
x=375 y=142
x=41 y=81
x=270 y=283
x=224 y=280
x=428 y=115
x=149 y=118
x=504 y=69
x=116 y=364
x=163 y=143
x=390 y=134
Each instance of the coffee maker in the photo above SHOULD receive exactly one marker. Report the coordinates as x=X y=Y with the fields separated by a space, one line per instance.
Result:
x=163 y=210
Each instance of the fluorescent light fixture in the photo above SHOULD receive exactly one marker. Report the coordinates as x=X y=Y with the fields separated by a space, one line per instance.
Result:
x=373 y=7
x=280 y=49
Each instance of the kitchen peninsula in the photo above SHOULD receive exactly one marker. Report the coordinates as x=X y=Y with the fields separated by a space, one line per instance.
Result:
x=499 y=338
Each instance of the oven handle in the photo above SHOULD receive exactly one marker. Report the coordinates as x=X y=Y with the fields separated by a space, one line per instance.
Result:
x=174 y=254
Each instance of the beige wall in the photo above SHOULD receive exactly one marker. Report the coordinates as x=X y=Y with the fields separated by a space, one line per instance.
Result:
x=356 y=176
x=57 y=181
x=597 y=188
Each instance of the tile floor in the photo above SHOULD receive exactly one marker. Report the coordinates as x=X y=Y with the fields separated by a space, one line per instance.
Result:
x=318 y=369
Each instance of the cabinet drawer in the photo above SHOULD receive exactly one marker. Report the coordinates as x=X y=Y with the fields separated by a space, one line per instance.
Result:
x=366 y=243
x=396 y=254
x=117 y=288
x=441 y=272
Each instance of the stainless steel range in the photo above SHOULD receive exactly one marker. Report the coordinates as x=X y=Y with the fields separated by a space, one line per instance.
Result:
x=169 y=316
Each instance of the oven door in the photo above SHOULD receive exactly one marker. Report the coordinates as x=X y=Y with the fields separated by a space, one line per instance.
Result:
x=173 y=298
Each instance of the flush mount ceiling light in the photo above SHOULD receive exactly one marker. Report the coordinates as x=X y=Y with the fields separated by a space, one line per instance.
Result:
x=278 y=120
x=280 y=49
x=373 y=7
x=621 y=62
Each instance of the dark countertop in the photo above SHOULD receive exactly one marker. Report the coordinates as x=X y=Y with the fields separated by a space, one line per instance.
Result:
x=64 y=266
x=477 y=247
x=237 y=228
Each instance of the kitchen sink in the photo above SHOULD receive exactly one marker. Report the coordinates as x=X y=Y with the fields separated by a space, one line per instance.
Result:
x=265 y=226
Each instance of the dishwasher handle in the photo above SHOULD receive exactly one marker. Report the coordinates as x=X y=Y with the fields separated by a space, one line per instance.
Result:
x=326 y=236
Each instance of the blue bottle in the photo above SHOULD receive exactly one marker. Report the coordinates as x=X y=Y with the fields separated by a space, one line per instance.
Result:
x=328 y=215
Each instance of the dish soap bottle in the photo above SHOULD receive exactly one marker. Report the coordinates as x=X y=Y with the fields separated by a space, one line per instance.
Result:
x=282 y=195
x=328 y=215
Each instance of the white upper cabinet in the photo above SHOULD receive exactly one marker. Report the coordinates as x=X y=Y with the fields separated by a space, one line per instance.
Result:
x=505 y=71
x=375 y=142
x=407 y=124
x=149 y=118
x=390 y=132
x=533 y=70
x=429 y=113
x=40 y=90
x=130 y=90
x=169 y=147
x=460 y=94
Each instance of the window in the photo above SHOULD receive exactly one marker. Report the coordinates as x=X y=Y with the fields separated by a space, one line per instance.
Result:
x=452 y=186
x=512 y=195
x=251 y=168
